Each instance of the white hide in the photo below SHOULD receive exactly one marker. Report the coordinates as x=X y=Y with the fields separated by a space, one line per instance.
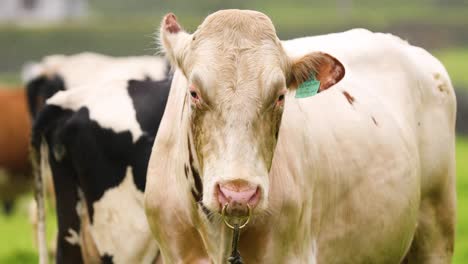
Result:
x=88 y=67
x=119 y=226
x=109 y=104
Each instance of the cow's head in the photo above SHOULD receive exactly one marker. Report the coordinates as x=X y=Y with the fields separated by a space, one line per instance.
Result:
x=238 y=74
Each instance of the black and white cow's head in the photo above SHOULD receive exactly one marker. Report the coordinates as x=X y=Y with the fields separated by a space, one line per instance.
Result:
x=40 y=89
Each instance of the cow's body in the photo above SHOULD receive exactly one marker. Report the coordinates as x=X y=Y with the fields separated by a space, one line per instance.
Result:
x=99 y=139
x=15 y=170
x=361 y=173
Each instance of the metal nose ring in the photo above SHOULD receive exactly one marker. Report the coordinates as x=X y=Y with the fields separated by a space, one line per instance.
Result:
x=245 y=219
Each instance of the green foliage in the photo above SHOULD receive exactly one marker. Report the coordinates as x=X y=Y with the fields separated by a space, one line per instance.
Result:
x=456 y=62
x=20 y=45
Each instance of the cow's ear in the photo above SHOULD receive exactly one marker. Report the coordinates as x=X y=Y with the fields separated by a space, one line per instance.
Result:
x=174 y=41
x=327 y=69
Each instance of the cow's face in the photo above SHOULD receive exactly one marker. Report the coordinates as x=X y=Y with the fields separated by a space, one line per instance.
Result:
x=238 y=74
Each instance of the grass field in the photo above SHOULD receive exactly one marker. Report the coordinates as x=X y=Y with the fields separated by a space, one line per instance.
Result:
x=16 y=244
x=456 y=62
x=461 y=246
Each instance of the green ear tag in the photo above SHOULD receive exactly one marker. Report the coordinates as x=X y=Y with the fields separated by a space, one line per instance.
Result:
x=308 y=88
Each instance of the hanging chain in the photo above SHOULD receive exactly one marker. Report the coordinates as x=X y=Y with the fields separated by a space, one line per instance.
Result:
x=235 y=257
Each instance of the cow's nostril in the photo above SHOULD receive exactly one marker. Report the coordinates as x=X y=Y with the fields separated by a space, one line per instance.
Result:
x=238 y=194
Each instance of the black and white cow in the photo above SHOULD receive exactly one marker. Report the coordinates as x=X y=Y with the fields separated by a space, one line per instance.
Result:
x=99 y=139
x=61 y=72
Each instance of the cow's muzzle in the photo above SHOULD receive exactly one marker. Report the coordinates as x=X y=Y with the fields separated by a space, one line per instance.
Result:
x=240 y=197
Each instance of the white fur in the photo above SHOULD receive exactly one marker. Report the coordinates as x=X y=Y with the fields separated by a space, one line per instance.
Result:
x=109 y=104
x=73 y=237
x=120 y=228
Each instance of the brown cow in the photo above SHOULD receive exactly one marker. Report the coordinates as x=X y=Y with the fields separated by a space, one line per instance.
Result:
x=15 y=169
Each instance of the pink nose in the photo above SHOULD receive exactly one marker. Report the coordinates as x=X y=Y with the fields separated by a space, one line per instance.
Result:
x=238 y=194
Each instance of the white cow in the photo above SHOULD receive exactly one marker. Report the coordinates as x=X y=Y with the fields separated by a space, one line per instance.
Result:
x=362 y=172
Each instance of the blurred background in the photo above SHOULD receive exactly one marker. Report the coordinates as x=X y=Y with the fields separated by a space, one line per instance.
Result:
x=32 y=29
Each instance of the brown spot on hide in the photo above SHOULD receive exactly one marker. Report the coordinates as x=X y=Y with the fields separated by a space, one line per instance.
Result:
x=375 y=121
x=186 y=170
x=196 y=196
x=206 y=211
x=198 y=191
x=348 y=97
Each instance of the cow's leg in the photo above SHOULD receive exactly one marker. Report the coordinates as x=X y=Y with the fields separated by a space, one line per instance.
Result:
x=434 y=238
x=66 y=190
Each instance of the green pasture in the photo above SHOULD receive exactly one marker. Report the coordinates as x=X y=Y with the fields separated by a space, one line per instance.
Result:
x=456 y=62
x=17 y=244
x=17 y=247
x=461 y=246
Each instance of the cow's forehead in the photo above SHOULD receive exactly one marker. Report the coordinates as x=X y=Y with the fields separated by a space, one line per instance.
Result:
x=236 y=52
x=237 y=25
x=253 y=76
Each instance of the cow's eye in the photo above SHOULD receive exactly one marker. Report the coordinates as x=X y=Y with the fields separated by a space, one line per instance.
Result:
x=194 y=95
x=280 y=99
